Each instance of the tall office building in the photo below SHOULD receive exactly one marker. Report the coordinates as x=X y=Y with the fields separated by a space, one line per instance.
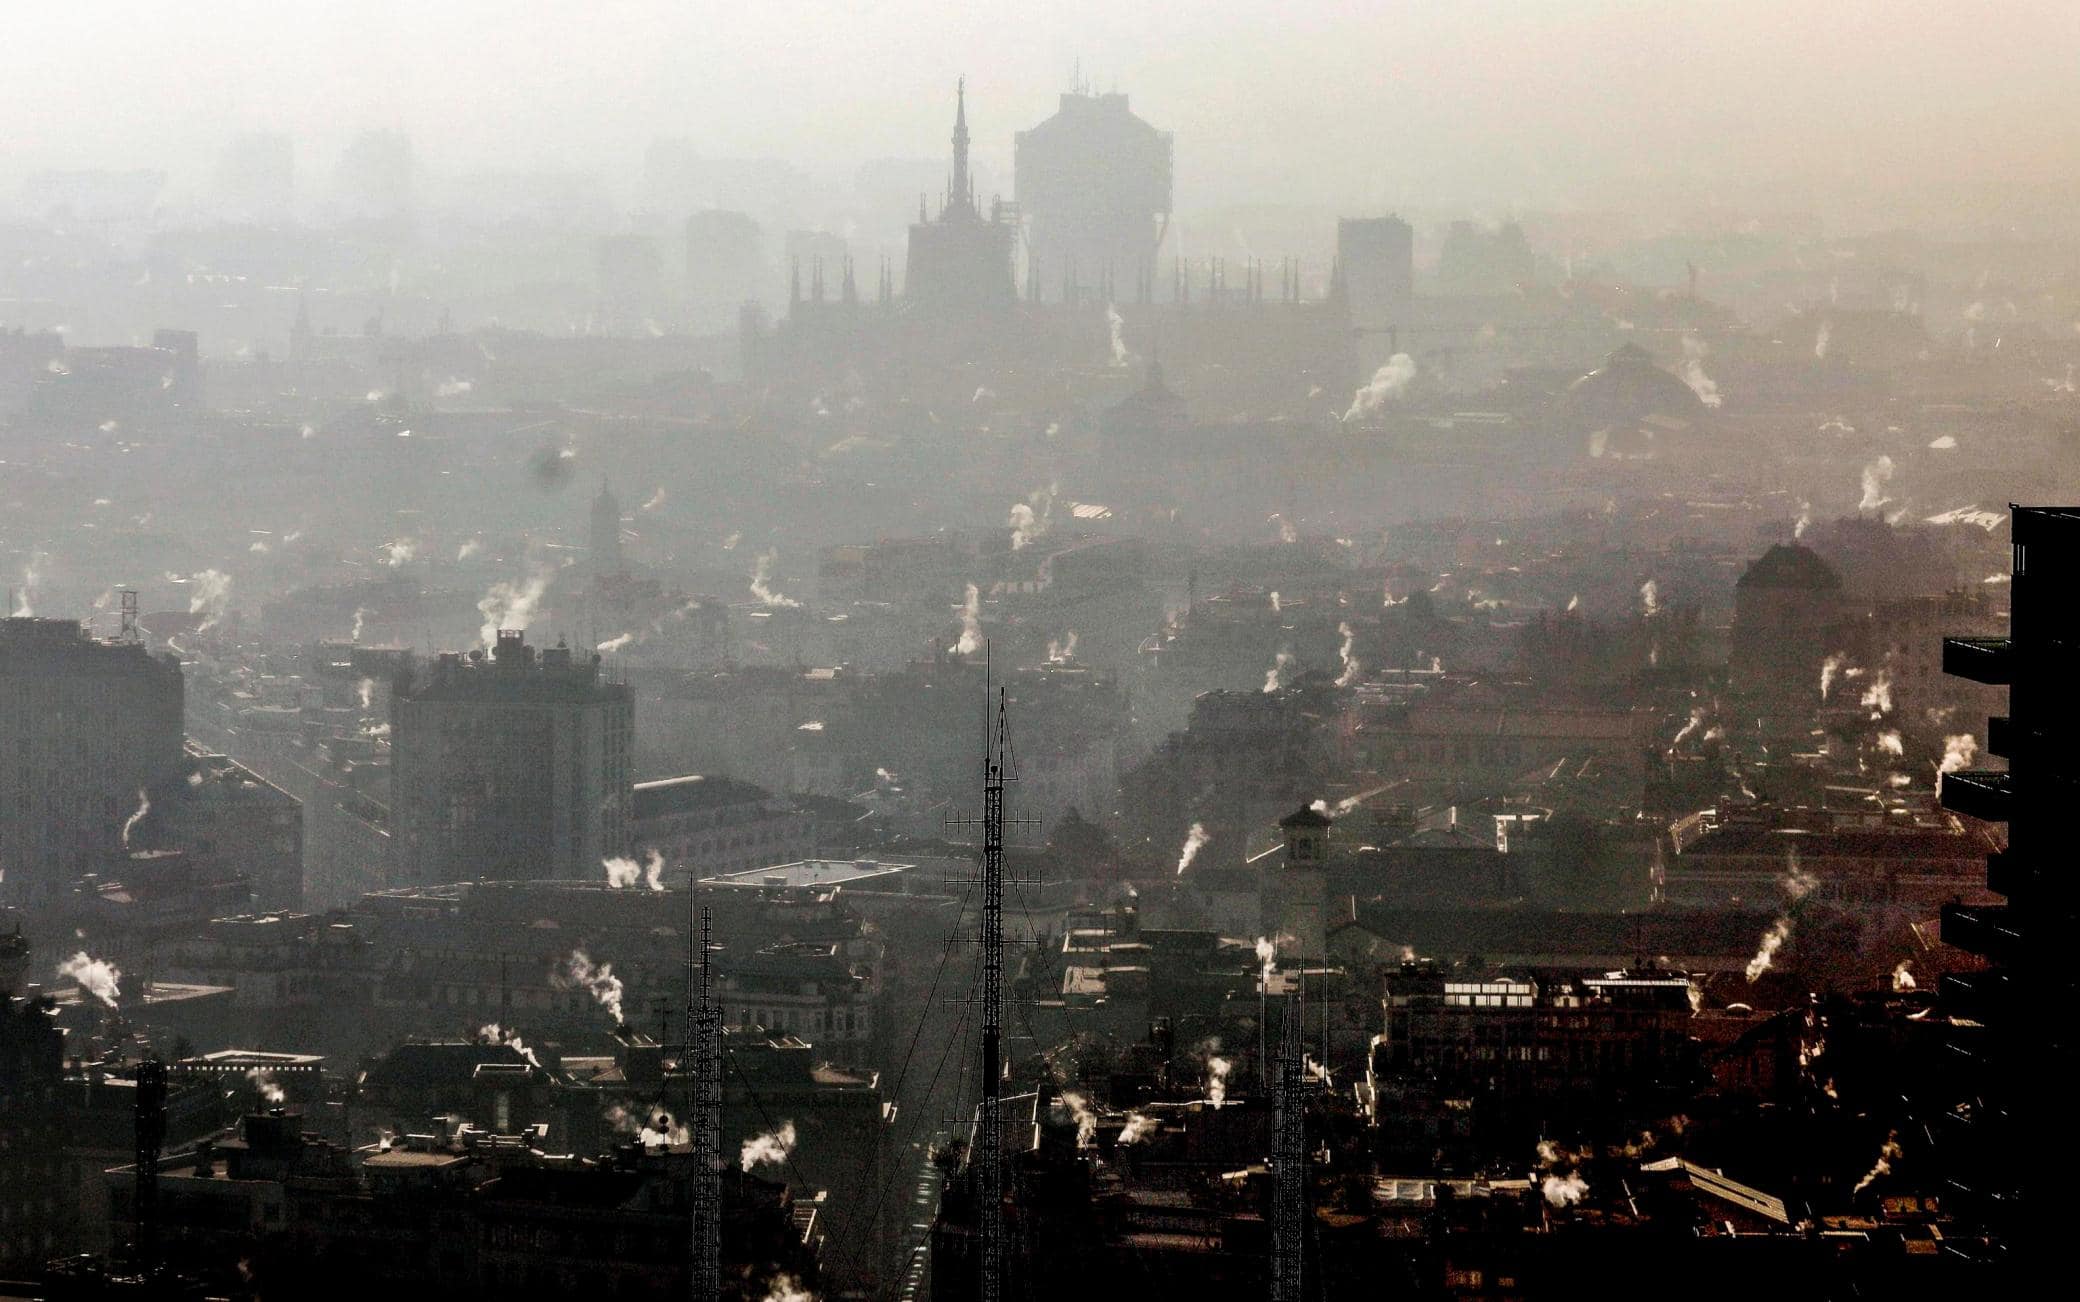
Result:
x=511 y=765
x=2014 y=1020
x=1094 y=188
x=1375 y=261
x=86 y=726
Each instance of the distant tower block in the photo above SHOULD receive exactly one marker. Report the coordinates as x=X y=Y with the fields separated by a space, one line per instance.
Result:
x=1094 y=188
x=1376 y=256
x=606 y=533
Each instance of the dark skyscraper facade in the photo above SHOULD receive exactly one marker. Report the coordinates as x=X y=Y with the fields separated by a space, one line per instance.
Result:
x=1094 y=187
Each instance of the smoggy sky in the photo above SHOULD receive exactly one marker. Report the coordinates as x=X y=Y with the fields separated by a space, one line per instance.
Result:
x=1954 y=107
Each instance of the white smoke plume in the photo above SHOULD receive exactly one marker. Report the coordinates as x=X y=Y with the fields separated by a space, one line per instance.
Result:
x=1351 y=667
x=1888 y=1153
x=1275 y=677
x=656 y=500
x=398 y=552
x=613 y=644
x=1562 y=1186
x=761 y=586
x=1804 y=522
x=511 y=605
x=1959 y=750
x=365 y=692
x=1797 y=884
x=773 y=1148
x=1117 y=324
x=1031 y=519
x=1683 y=733
x=1564 y=1190
x=98 y=977
x=971 y=622
x=144 y=806
x=1389 y=381
x=267 y=1087
x=1889 y=742
x=493 y=1033
x=1820 y=340
x=624 y=872
x=1706 y=389
x=1903 y=976
x=212 y=594
x=787 y=1288
x=1267 y=958
x=1062 y=652
x=1875 y=476
x=1194 y=841
x=1217 y=1070
x=1829 y=669
x=1878 y=696
x=360 y=622
x=469 y=548
x=1086 y=1120
x=1139 y=1126
x=1649 y=599
x=579 y=973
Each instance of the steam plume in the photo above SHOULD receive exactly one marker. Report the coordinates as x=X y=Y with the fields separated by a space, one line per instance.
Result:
x=971 y=623
x=1888 y=1153
x=1138 y=1126
x=511 y=605
x=773 y=1148
x=1706 y=389
x=761 y=572
x=98 y=977
x=1217 y=1070
x=212 y=593
x=1875 y=476
x=267 y=1087
x=1118 y=325
x=1194 y=841
x=1275 y=677
x=578 y=972
x=144 y=806
x=1829 y=668
x=1903 y=976
x=1351 y=667
x=1389 y=381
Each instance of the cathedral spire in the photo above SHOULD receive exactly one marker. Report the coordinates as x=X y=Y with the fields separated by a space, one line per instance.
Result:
x=958 y=188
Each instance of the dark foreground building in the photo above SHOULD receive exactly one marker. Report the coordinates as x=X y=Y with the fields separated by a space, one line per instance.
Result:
x=2022 y=1005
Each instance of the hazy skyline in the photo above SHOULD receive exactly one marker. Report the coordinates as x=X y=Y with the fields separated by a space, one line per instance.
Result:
x=1949 y=110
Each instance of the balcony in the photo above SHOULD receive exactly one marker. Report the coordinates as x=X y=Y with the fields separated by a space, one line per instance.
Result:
x=1989 y=930
x=1979 y=659
x=1980 y=793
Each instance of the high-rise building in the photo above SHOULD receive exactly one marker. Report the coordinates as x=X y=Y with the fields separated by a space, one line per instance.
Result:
x=1375 y=257
x=960 y=262
x=32 y=1061
x=1094 y=187
x=515 y=764
x=606 y=555
x=87 y=725
x=725 y=268
x=2014 y=1020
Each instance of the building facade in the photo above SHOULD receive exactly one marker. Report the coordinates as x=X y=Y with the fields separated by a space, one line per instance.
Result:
x=511 y=765
x=86 y=727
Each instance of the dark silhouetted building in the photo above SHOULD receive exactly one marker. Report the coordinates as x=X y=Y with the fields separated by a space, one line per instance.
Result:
x=515 y=764
x=960 y=262
x=1094 y=187
x=86 y=726
x=1787 y=614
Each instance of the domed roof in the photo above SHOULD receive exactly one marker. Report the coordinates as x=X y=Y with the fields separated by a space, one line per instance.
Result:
x=1788 y=565
x=1627 y=387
